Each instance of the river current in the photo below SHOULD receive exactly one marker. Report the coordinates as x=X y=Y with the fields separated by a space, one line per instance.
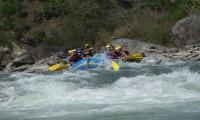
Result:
x=138 y=91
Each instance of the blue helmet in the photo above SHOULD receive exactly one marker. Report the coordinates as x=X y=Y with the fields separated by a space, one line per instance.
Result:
x=79 y=49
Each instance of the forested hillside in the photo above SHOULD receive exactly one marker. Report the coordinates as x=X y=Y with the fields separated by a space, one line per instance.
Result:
x=73 y=23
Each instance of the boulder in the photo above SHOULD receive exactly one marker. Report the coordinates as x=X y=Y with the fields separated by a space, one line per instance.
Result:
x=187 y=31
x=9 y=67
x=32 y=60
x=38 y=68
x=21 y=68
x=23 y=60
x=172 y=50
x=42 y=52
x=134 y=46
x=196 y=58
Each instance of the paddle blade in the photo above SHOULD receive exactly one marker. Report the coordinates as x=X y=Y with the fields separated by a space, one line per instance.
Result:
x=115 y=65
x=58 y=67
x=54 y=67
x=135 y=57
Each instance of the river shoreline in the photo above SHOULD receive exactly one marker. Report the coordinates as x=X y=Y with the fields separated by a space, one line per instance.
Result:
x=37 y=60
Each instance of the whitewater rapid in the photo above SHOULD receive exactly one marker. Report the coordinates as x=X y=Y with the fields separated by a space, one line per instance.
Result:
x=137 y=91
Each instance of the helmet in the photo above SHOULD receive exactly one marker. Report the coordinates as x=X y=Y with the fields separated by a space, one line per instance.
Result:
x=70 y=51
x=74 y=50
x=121 y=47
x=87 y=45
x=117 y=48
x=108 y=46
x=91 y=48
x=79 y=49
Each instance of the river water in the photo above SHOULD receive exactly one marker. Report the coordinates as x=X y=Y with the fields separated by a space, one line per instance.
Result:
x=169 y=91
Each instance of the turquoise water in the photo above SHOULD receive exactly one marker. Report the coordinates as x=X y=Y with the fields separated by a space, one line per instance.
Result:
x=138 y=91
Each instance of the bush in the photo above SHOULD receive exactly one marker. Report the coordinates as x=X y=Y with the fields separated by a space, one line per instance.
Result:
x=6 y=42
x=8 y=23
x=54 y=8
x=37 y=16
x=178 y=9
x=20 y=29
x=11 y=7
x=53 y=39
x=39 y=35
x=87 y=18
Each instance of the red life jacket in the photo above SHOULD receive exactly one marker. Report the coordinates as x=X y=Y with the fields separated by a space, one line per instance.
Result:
x=74 y=58
x=118 y=53
x=112 y=54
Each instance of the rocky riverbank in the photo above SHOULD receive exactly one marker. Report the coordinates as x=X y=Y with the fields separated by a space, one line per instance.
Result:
x=185 y=35
x=36 y=59
x=160 y=53
x=40 y=58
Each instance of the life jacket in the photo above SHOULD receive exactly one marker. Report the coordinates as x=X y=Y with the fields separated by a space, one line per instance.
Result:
x=90 y=53
x=118 y=53
x=74 y=58
x=112 y=54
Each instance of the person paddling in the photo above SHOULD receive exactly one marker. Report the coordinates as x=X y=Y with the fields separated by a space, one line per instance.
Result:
x=74 y=57
x=80 y=52
x=119 y=52
x=111 y=52
x=89 y=51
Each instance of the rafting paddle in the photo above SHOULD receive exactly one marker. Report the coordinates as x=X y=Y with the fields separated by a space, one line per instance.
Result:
x=58 y=67
x=115 y=65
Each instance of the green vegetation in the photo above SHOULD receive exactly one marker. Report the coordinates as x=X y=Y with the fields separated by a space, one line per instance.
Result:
x=55 y=8
x=75 y=22
x=39 y=35
x=11 y=7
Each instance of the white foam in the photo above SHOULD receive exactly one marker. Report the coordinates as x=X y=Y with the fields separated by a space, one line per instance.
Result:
x=39 y=91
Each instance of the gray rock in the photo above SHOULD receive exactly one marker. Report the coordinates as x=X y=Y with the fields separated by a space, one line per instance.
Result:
x=36 y=57
x=49 y=61
x=38 y=68
x=197 y=58
x=23 y=60
x=8 y=67
x=42 y=52
x=173 y=50
x=187 y=31
x=193 y=56
x=134 y=46
x=21 y=68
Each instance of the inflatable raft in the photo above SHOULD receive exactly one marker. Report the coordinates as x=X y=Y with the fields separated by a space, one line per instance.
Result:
x=86 y=63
